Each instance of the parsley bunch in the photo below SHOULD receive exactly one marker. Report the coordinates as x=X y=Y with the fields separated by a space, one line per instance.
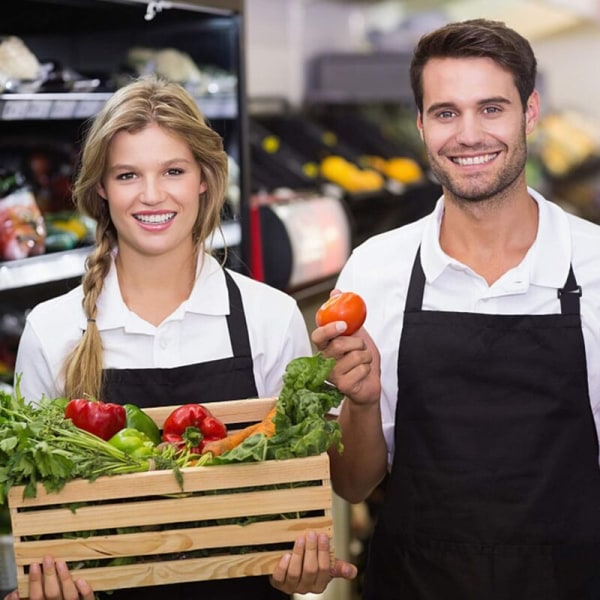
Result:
x=39 y=445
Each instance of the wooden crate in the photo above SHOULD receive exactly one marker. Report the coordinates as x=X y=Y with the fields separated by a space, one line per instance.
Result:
x=193 y=543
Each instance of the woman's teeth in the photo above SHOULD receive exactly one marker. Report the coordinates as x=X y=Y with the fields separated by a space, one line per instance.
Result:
x=155 y=219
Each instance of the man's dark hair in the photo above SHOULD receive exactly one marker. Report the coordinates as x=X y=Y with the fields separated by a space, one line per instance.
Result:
x=476 y=38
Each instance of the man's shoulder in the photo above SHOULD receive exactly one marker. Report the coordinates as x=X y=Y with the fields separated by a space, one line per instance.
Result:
x=393 y=242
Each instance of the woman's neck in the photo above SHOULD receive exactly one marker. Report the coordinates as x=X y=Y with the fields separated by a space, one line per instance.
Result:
x=154 y=287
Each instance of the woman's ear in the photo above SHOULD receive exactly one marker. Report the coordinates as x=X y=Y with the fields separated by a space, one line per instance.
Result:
x=203 y=187
x=100 y=190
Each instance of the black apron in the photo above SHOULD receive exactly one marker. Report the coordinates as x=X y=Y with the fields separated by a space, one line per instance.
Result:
x=216 y=380
x=494 y=491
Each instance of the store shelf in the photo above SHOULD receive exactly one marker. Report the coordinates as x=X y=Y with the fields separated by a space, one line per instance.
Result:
x=69 y=264
x=77 y=105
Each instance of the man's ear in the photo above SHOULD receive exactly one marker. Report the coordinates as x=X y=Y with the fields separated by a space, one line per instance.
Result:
x=532 y=112
x=420 y=124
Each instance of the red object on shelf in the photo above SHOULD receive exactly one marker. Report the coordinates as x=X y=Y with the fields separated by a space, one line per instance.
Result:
x=257 y=267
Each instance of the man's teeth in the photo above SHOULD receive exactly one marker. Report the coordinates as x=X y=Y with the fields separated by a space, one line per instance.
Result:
x=155 y=219
x=474 y=160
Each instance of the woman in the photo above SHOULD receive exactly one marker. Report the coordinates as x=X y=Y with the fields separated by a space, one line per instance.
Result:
x=157 y=320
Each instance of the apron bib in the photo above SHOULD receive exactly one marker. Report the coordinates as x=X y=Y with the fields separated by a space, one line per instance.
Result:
x=494 y=491
x=213 y=381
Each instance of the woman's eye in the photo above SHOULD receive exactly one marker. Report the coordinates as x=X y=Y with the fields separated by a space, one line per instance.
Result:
x=175 y=171
x=125 y=176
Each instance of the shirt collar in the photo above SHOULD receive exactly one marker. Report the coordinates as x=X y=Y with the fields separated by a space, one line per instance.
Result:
x=209 y=296
x=546 y=263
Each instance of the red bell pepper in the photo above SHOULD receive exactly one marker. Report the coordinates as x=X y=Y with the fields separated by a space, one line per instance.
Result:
x=100 y=418
x=192 y=425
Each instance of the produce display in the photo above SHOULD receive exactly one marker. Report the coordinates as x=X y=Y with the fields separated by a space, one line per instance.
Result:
x=22 y=231
x=163 y=513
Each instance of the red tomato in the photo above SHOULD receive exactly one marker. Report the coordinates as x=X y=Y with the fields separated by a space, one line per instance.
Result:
x=348 y=307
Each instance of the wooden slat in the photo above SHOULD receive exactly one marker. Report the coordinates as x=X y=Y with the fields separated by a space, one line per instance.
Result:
x=174 y=571
x=196 y=479
x=233 y=411
x=171 y=541
x=171 y=510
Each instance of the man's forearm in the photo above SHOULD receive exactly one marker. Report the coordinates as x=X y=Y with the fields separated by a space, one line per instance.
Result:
x=363 y=463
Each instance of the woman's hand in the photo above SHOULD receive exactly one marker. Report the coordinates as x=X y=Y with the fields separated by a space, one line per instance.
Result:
x=308 y=568
x=53 y=581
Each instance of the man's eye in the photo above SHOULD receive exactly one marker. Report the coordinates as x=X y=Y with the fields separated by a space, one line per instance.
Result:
x=491 y=109
x=445 y=114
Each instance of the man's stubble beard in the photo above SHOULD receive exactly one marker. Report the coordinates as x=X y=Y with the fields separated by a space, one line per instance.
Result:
x=476 y=189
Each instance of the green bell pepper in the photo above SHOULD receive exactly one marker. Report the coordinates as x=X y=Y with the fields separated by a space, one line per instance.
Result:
x=136 y=418
x=133 y=442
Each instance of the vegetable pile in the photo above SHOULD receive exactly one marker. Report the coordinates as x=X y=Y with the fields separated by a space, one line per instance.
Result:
x=42 y=442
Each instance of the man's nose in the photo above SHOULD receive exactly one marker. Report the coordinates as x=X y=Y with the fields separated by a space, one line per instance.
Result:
x=469 y=130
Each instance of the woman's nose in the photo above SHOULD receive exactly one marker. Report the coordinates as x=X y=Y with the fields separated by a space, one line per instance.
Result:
x=151 y=192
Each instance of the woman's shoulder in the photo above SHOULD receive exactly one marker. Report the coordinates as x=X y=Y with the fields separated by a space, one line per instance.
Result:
x=258 y=290
x=60 y=309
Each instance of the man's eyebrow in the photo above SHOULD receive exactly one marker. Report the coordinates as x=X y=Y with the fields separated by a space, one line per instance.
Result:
x=452 y=106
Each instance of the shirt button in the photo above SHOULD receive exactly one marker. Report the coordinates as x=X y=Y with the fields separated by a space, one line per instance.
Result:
x=163 y=343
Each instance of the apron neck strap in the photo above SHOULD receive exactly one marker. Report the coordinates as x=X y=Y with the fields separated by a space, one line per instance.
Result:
x=570 y=294
x=236 y=319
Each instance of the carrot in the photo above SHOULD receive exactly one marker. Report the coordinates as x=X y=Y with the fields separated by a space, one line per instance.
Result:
x=266 y=426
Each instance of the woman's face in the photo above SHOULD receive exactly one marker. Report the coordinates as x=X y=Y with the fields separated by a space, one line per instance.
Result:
x=152 y=185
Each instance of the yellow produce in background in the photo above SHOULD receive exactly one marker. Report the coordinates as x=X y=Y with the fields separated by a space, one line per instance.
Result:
x=350 y=177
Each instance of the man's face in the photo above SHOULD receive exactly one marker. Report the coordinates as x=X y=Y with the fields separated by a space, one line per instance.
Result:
x=474 y=127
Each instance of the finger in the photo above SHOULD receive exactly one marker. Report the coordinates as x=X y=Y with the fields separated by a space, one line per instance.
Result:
x=85 y=589
x=36 y=583
x=323 y=575
x=294 y=570
x=341 y=568
x=322 y=336
x=310 y=564
x=67 y=585
x=51 y=584
x=12 y=596
x=280 y=573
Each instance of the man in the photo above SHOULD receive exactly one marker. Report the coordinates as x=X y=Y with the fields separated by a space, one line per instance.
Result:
x=478 y=382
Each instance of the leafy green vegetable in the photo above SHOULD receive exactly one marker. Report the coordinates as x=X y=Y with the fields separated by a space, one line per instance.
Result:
x=301 y=423
x=39 y=445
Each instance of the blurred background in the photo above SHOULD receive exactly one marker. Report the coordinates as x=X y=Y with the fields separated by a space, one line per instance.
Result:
x=313 y=101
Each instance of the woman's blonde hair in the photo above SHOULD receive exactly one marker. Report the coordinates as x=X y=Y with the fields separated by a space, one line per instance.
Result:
x=143 y=101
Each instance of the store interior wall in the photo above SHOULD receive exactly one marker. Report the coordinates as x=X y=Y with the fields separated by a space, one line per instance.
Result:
x=284 y=35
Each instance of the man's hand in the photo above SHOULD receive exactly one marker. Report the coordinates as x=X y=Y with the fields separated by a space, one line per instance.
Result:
x=357 y=372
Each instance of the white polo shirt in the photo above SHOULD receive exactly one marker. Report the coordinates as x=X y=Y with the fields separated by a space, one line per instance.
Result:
x=379 y=270
x=195 y=332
